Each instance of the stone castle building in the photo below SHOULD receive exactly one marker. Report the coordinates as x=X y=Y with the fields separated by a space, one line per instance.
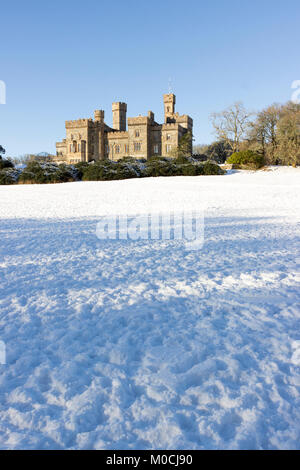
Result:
x=88 y=139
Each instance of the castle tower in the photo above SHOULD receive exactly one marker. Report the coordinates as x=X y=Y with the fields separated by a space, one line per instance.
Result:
x=169 y=105
x=99 y=115
x=119 y=116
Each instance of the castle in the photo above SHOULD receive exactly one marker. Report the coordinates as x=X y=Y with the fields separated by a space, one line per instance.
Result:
x=88 y=139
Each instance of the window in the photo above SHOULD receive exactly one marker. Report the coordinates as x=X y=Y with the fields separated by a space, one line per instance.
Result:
x=137 y=146
x=169 y=147
x=168 y=137
x=126 y=148
x=155 y=148
x=117 y=148
x=137 y=133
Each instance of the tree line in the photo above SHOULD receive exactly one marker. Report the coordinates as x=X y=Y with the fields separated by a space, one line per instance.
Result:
x=273 y=133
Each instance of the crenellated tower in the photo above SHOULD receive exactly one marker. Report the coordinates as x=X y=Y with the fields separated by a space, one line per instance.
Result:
x=169 y=105
x=119 y=111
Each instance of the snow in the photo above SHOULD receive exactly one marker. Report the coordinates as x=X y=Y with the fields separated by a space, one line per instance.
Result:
x=122 y=344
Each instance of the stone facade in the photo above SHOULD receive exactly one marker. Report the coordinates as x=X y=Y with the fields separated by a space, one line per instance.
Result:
x=91 y=139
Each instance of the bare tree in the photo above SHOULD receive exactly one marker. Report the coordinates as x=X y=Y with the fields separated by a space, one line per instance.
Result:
x=288 y=135
x=231 y=125
x=263 y=131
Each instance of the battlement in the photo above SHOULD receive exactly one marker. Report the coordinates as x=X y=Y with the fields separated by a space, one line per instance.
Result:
x=170 y=125
x=99 y=115
x=119 y=105
x=138 y=120
x=79 y=123
x=169 y=98
x=184 y=117
x=117 y=134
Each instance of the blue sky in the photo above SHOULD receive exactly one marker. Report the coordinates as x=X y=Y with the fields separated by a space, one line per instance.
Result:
x=63 y=59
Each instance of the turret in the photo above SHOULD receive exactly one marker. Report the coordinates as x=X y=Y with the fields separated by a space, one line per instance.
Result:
x=119 y=111
x=169 y=105
x=99 y=115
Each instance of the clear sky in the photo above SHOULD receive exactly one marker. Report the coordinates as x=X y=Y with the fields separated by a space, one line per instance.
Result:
x=64 y=59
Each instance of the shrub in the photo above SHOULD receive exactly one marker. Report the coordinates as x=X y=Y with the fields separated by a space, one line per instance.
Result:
x=169 y=167
x=9 y=176
x=106 y=170
x=100 y=171
x=210 y=168
x=5 y=163
x=187 y=170
x=247 y=158
x=159 y=158
x=81 y=167
x=190 y=169
x=133 y=160
x=160 y=167
x=36 y=172
x=125 y=170
x=68 y=171
x=181 y=160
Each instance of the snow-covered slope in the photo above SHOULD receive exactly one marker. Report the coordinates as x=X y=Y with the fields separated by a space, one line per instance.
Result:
x=145 y=344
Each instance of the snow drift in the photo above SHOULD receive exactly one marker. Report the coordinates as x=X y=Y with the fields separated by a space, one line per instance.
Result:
x=144 y=344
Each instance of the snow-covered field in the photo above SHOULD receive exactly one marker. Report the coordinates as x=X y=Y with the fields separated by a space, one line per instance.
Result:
x=146 y=344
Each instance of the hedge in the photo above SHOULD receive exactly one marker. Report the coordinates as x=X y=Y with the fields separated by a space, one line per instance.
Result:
x=106 y=170
x=246 y=158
